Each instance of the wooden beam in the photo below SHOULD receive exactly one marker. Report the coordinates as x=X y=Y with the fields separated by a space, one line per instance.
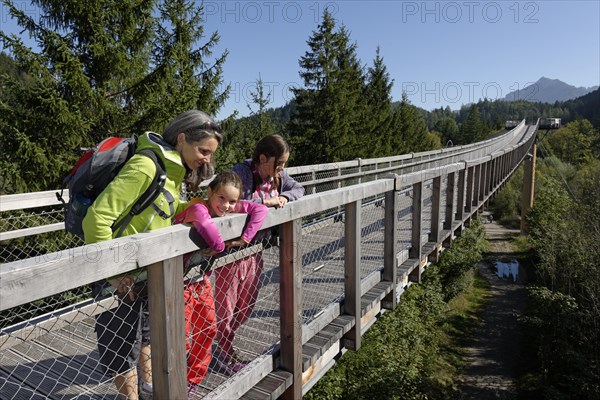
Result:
x=167 y=329
x=390 y=241
x=290 y=293
x=352 y=258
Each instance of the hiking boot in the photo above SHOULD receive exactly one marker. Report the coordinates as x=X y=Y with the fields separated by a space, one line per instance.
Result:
x=145 y=390
x=193 y=390
x=227 y=364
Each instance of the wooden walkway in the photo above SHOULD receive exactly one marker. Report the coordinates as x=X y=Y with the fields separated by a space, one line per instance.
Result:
x=63 y=364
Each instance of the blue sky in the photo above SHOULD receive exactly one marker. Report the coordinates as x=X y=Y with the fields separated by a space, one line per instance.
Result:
x=442 y=53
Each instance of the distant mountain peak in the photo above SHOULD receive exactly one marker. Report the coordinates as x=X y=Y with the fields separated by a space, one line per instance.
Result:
x=547 y=90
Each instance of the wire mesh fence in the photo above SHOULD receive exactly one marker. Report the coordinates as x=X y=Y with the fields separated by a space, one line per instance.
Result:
x=231 y=308
x=49 y=348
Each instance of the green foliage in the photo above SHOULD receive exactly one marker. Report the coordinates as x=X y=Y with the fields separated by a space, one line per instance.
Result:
x=573 y=142
x=564 y=315
x=471 y=130
x=395 y=353
x=448 y=129
x=459 y=261
x=327 y=123
x=241 y=135
x=378 y=99
x=400 y=354
x=109 y=68
x=506 y=206
x=340 y=113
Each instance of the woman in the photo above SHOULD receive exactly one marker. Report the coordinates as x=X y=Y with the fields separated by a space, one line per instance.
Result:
x=186 y=148
x=237 y=284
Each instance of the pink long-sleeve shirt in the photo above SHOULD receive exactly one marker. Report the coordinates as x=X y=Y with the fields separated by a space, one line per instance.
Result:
x=198 y=214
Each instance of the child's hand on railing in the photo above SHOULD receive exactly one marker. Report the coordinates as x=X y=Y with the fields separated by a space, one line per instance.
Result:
x=208 y=252
x=239 y=242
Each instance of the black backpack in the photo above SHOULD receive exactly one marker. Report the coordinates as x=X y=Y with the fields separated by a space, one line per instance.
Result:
x=96 y=169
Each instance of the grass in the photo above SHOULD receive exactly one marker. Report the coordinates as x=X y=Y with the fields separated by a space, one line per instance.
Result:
x=461 y=323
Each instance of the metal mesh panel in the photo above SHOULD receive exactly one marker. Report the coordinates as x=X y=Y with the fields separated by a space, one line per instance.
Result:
x=443 y=191
x=34 y=244
x=427 y=196
x=372 y=227
x=322 y=262
x=405 y=219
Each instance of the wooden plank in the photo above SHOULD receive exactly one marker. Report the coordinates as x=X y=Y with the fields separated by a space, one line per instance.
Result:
x=291 y=305
x=436 y=194
x=390 y=270
x=273 y=385
x=59 y=319
x=36 y=230
x=352 y=257
x=23 y=201
x=167 y=327
x=417 y=218
x=14 y=389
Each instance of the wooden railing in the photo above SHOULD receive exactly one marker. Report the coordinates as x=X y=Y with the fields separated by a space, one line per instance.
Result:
x=461 y=181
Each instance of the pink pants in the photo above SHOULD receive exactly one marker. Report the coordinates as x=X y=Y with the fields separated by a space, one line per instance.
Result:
x=236 y=290
x=200 y=328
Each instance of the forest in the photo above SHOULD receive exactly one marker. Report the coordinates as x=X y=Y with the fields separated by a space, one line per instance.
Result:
x=131 y=67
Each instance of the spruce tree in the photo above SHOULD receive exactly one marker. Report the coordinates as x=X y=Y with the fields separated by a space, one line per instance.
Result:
x=471 y=128
x=411 y=134
x=328 y=120
x=379 y=108
x=100 y=68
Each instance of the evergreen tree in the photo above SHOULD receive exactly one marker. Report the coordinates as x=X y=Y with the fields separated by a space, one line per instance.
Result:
x=328 y=123
x=448 y=129
x=470 y=130
x=379 y=108
x=104 y=68
x=241 y=136
x=411 y=129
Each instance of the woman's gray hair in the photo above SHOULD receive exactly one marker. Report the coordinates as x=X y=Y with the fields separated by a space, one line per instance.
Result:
x=197 y=126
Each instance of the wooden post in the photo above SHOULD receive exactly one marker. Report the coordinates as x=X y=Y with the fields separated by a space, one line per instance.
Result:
x=434 y=236
x=417 y=219
x=449 y=211
x=460 y=196
x=528 y=187
x=352 y=256
x=484 y=180
x=390 y=264
x=290 y=298
x=167 y=329
x=469 y=199
x=476 y=185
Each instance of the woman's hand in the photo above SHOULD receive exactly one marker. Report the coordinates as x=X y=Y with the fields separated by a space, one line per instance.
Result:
x=124 y=285
x=276 y=202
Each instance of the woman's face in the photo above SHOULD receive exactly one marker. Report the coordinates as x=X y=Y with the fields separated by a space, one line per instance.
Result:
x=269 y=169
x=196 y=154
x=222 y=200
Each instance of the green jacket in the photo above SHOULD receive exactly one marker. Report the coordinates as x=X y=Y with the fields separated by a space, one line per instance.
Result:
x=122 y=192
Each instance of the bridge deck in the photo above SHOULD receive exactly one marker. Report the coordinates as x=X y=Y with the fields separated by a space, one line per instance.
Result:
x=63 y=364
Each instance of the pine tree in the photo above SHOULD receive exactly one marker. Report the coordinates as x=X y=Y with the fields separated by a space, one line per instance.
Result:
x=379 y=108
x=328 y=124
x=411 y=134
x=101 y=69
x=471 y=128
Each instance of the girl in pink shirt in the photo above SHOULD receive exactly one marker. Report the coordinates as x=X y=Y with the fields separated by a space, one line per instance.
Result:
x=224 y=194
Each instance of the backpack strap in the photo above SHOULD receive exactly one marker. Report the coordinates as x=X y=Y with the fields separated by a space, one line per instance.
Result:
x=157 y=186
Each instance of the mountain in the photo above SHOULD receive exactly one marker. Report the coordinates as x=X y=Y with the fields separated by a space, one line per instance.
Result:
x=547 y=90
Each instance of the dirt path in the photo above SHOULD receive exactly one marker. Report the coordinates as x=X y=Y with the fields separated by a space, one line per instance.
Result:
x=492 y=353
